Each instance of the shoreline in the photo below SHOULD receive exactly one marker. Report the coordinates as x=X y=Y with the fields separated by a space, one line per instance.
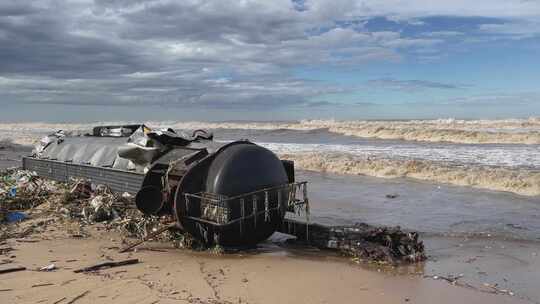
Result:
x=167 y=275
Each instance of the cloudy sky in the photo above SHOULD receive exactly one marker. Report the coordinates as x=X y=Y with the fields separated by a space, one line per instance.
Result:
x=279 y=59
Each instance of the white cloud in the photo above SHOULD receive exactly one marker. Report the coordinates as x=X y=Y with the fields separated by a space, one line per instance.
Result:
x=162 y=51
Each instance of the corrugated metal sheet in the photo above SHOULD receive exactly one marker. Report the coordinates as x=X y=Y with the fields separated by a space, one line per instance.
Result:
x=119 y=181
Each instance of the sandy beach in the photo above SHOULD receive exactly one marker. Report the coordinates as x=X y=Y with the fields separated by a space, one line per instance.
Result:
x=167 y=275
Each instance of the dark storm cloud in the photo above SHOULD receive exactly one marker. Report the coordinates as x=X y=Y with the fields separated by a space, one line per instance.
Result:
x=41 y=44
x=211 y=21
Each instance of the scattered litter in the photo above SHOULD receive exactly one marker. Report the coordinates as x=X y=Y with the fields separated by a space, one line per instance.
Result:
x=49 y=267
x=393 y=195
x=12 y=217
x=79 y=203
x=498 y=290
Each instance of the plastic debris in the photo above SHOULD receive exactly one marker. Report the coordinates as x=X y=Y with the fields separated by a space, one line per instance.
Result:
x=12 y=217
x=49 y=267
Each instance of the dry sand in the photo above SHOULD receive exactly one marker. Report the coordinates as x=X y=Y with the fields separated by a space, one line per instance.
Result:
x=168 y=275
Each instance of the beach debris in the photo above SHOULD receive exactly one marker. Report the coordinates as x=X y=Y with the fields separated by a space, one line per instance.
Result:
x=4 y=250
x=79 y=203
x=392 y=195
x=497 y=290
x=364 y=242
x=450 y=278
x=107 y=265
x=49 y=267
x=82 y=189
x=384 y=245
x=12 y=269
x=12 y=217
x=22 y=190
x=486 y=287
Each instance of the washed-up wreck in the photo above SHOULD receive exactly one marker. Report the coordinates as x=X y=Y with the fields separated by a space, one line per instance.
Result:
x=228 y=194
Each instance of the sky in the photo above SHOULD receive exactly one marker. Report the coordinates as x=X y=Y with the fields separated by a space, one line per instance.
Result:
x=268 y=60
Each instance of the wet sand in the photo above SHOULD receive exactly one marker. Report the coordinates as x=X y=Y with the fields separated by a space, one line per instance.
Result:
x=489 y=237
x=277 y=273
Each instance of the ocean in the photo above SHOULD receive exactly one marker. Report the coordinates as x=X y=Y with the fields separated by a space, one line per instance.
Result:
x=501 y=155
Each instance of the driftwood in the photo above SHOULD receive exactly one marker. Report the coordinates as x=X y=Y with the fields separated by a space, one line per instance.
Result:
x=377 y=244
x=107 y=265
x=43 y=284
x=13 y=269
x=59 y=300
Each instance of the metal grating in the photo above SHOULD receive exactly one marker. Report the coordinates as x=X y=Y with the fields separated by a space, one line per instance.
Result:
x=117 y=180
x=216 y=209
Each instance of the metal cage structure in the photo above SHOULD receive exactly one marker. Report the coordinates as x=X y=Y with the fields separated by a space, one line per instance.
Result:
x=216 y=209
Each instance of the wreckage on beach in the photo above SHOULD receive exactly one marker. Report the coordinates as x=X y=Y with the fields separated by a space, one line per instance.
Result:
x=229 y=194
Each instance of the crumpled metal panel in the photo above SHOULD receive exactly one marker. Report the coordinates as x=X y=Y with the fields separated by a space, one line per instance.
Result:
x=104 y=157
x=103 y=151
x=88 y=150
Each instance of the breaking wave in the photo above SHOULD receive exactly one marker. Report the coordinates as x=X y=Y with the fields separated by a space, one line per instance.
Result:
x=503 y=131
x=507 y=131
x=519 y=181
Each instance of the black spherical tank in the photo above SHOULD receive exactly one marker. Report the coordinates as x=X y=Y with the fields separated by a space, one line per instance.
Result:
x=236 y=170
